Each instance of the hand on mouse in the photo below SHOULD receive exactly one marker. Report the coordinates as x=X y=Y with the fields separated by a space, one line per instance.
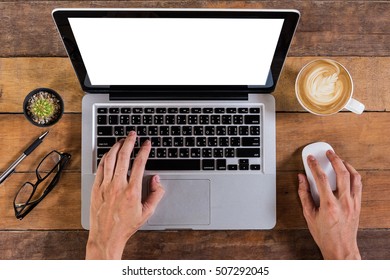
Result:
x=334 y=224
x=116 y=209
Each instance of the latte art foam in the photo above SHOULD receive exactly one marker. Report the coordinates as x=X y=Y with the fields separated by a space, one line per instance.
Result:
x=324 y=87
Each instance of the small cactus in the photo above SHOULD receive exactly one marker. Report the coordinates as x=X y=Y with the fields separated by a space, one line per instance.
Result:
x=43 y=107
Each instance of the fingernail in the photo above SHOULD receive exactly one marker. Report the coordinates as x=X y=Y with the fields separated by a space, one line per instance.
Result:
x=330 y=152
x=300 y=178
x=132 y=133
x=311 y=158
x=157 y=178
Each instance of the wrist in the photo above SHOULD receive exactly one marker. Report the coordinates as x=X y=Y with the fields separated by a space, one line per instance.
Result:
x=103 y=251
x=343 y=254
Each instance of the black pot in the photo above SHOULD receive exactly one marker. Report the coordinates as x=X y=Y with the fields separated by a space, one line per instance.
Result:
x=30 y=116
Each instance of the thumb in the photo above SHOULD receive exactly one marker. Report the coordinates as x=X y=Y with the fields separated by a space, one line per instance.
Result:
x=155 y=195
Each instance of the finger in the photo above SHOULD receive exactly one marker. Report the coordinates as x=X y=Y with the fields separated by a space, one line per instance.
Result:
x=320 y=179
x=124 y=154
x=342 y=174
x=110 y=162
x=99 y=174
x=96 y=195
x=138 y=168
x=153 y=199
x=356 y=183
x=304 y=193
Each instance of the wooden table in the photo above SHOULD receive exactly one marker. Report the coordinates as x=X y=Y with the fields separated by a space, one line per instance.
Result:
x=355 y=33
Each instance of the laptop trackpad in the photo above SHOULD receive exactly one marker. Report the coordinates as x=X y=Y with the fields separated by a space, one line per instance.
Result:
x=186 y=202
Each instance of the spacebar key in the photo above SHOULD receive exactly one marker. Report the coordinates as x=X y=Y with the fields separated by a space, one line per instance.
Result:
x=173 y=164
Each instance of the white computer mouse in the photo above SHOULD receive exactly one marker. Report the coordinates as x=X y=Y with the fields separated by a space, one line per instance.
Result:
x=318 y=150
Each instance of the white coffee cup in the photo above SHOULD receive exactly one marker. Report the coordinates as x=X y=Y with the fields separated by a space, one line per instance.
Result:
x=325 y=87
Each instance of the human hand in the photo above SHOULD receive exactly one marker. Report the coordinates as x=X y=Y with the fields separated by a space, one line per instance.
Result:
x=116 y=210
x=334 y=224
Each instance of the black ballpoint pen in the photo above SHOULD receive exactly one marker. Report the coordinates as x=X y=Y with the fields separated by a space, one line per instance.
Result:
x=28 y=151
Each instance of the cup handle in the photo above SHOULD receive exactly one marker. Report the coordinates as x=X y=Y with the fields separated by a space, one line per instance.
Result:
x=355 y=106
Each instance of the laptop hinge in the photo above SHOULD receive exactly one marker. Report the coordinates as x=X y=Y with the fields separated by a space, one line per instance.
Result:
x=177 y=96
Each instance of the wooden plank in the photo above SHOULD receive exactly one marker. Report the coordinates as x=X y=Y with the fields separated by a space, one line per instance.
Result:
x=19 y=76
x=346 y=28
x=61 y=208
x=17 y=134
x=286 y=244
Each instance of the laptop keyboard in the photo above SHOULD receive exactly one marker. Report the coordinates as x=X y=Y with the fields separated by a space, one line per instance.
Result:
x=186 y=138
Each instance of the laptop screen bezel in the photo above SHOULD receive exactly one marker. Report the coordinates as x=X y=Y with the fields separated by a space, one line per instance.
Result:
x=290 y=17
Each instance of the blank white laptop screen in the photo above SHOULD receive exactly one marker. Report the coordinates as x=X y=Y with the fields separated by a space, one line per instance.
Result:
x=177 y=51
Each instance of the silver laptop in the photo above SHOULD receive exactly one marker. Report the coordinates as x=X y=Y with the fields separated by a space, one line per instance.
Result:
x=195 y=82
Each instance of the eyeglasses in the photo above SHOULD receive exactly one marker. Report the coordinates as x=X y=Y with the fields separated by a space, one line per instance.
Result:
x=48 y=174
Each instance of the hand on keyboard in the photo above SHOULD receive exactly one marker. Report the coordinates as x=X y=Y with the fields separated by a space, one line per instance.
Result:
x=116 y=208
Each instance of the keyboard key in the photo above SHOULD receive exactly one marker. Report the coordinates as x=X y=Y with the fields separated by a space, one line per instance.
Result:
x=172 y=152
x=250 y=141
x=232 y=130
x=255 y=130
x=208 y=164
x=104 y=130
x=235 y=141
x=101 y=152
x=207 y=152
x=207 y=110
x=254 y=110
x=137 y=110
x=198 y=130
x=238 y=119
x=161 y=110
x=243 y=166
x=226 y=119
x=181 y=119
x=164 y=130
x=175 y=130
x=125 y=110
x=242 y=110
x=173 y=110
x=195 y=152
x=215 y=119
x=204 y=119
x=142 y=131
x=153 y=130
x=229 y=152
x=113 y=119
x=218 y=152
x=221 y=164
x=106 y=141
x=209 y=130
x=114 y=110
x=167 y=142
x=192 y=119
x=196 y=110
x=252 y=119
x=124 y=119
x=184 y=110
x=184 y=152
x=232 y=167
x=102 y=110
x=136 y=119
x=219 y=110
x=173 y=164
x=119 y=131
x=155 y=141
x=169 y=119
x=101 y=119
x=231 y=110
x=147 y=119
x=161 y=152
x=255 y=166
x=201 y=141
x=187 y=130
x=149 y=110
x=158 y=119
x=189 y=141
x=243 y=130
x=178 y=141
x=248 y=152
x=223 y=141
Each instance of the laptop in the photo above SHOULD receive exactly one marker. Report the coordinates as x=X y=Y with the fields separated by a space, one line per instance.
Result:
x=198 y=84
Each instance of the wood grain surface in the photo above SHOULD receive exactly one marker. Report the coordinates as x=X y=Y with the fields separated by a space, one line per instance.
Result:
x=354 y=33
x=338 y=28
x=21 y=75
